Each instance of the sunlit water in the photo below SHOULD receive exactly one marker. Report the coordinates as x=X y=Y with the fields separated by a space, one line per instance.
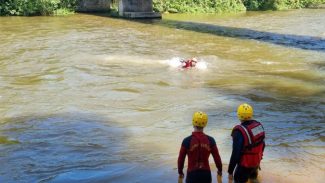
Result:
x=88 y=98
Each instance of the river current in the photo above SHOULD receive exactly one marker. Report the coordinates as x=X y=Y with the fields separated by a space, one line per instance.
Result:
x=88 y=98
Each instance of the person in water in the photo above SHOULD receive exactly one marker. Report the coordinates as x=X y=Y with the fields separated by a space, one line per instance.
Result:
x=248 y=147
x=198 y=148
x=189 y=63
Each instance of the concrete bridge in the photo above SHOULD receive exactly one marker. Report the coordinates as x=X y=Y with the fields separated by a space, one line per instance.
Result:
x=126 y=8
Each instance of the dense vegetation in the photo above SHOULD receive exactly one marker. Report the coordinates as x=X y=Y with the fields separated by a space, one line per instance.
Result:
x=198 y=6
x=36 y=7
x=54 y=7
x=217 y=6
x=280 y=4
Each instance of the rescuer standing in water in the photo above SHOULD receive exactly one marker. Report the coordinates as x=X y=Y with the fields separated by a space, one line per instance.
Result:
x=198 y=148
x=248 y=147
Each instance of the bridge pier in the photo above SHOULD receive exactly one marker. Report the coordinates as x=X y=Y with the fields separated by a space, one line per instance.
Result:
x=127 y=8
x=137 y=9
x=94 y=5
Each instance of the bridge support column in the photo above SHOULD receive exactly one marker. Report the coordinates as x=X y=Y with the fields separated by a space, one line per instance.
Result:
x=137 y=9
x=94 y=5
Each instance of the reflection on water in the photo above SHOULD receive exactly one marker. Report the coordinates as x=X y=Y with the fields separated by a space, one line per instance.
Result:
x=90 y=99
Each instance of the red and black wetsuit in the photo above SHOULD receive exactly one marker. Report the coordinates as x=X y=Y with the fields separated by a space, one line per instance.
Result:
x=198 y=148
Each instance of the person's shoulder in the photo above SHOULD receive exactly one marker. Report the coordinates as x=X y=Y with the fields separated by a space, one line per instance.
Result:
x=187 y=138
x=258 y=122
x=236 y=128
x=211 y=139
x=237 y=131
x=187 y=141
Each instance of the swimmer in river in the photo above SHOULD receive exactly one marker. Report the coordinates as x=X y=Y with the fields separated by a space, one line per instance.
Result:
x=189 y=63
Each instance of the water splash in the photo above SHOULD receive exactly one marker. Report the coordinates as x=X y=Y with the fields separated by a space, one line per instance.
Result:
x=201 y=65
x=175 y=62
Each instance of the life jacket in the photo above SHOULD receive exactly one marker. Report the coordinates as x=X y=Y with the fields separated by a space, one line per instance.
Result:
x=254 y=136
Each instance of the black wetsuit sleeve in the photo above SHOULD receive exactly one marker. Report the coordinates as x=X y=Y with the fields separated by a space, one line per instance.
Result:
x=237 y=147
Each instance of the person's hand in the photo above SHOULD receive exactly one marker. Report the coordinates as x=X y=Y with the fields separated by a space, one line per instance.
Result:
x=230 y=178
x=219 y=178
x=180 y=178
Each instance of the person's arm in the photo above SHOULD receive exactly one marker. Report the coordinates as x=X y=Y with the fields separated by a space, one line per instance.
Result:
x=181 y=159
x=263 y=144
x=263 y=148
x=237 y=146
x=217 y=159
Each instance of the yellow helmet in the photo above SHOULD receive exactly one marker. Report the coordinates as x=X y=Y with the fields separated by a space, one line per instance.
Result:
x=244 y=112
x=200 y=119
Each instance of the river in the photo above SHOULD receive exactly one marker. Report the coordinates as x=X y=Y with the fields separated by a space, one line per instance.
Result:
x=88 y=98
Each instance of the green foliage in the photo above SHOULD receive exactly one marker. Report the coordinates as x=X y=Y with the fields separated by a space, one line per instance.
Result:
x=63 y=11
x=198 y=6
x=311 y=3
x=280 y=4
x=36 y=7
x=221 y=6
x=64 y=7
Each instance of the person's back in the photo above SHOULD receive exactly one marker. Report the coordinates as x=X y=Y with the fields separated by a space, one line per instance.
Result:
x=198 y=148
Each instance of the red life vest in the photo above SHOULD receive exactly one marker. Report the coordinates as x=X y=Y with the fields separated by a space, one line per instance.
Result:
x=254 y=136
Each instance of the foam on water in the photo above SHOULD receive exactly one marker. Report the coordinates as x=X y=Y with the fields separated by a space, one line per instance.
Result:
x=131 y=59
x=175 y=62
x=202 y=65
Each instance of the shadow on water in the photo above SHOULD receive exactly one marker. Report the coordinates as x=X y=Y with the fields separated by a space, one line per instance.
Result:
x=64 y=148
x=288 y=40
